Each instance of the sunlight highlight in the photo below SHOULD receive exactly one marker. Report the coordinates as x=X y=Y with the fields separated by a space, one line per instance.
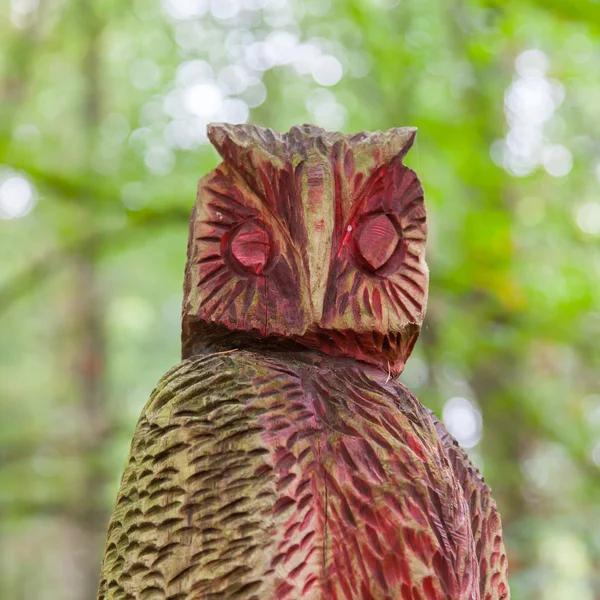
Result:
x=17 y=197
x=463 y=420
x=530 y=105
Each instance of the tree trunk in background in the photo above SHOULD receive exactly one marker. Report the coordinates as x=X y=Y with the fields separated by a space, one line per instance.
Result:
x=91 y=364
x=90 y=377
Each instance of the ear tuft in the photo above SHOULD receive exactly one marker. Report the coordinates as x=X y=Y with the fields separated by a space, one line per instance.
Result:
x=245 y=142
x=405 y=139
x=396 y=142
x=217 y=133
x=222 y=135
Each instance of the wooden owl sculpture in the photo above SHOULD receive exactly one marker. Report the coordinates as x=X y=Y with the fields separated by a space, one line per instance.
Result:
x=281 y=459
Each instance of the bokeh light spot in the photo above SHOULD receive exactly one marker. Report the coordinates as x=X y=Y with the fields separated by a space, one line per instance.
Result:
x=17 y=197
x=224 y=9
x=588 y=217
x=185 y=9
x=204 y=100
x=596 y=454
x=557 y=160
x=327 y=70
x=532 y=63
x=325 y=109
x=160 y=159
x=463 y=420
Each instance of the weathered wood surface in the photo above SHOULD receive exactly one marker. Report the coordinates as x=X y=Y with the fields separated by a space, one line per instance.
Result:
x=280 y=459
x=312 y=236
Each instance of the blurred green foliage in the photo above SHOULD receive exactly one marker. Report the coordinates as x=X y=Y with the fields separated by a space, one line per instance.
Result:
x=103 y=109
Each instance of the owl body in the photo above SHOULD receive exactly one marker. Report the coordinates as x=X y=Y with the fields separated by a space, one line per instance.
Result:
x=281 y=459
x=283 y=476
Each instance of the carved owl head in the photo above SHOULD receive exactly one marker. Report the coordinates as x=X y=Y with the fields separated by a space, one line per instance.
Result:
x=311 y=236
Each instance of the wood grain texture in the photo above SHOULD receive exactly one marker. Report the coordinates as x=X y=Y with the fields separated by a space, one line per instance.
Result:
x=313 y=236
x=296 y=476
x=485 y=520
x=281 y=460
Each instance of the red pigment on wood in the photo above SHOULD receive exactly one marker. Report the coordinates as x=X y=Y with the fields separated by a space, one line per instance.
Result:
x=281 y=460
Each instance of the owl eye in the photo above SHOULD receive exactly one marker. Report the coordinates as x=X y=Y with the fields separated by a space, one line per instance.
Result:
x=250 y=245
x=376 y=240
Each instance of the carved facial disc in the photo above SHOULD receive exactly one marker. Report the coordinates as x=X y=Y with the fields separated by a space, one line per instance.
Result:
x=313 y=236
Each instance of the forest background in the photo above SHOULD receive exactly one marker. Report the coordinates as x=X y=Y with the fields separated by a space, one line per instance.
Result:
x=104 y=105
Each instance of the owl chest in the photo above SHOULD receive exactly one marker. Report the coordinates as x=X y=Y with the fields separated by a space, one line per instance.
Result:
x=271 y=481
